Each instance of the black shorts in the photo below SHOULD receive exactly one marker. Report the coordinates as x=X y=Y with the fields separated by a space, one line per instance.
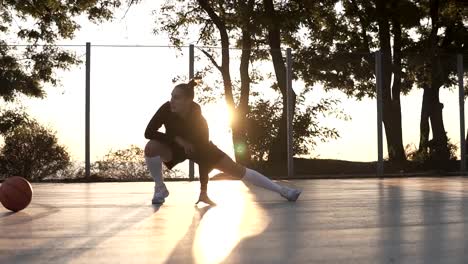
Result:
x=204 y=155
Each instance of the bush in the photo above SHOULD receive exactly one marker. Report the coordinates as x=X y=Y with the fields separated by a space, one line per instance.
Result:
x=263 y=122
x=414 y=154
x=126 y=164
x=29 y=150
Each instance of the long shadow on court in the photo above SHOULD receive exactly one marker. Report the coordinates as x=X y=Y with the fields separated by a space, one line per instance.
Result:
x=423 y=226
x=397 y=225
x=54 y=252
x=23 y=217
x=277 y=242
x=391 y=222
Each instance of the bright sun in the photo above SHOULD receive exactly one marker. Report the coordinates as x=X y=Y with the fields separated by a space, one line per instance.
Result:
x=217 y=114
x=219 y=117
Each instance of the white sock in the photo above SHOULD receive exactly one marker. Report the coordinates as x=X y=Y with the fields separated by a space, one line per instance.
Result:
x=258 y=179
x=155 y=167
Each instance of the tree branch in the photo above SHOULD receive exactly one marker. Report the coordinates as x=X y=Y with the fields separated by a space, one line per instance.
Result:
x=220 y=24
x=211 y=59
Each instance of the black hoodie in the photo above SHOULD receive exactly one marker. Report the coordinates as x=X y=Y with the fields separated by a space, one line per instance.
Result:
x=193 y=129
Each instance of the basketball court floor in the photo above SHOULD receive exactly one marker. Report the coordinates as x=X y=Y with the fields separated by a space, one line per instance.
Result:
x=398 y=220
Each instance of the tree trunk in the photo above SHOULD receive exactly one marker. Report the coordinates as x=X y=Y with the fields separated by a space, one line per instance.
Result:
x=391 y=107
x=432 y=108
x=439 y=135
x=239 y=130
x=424 y=123
x=242 y=155
x=466 y=141
x=278 y=150
x=438 y=130
x=431 y=113
x=396 y=91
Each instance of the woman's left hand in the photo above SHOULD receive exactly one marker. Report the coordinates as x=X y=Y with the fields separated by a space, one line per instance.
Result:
x=204 y=198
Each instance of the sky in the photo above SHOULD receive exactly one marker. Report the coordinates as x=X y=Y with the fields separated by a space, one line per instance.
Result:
x=128 y=85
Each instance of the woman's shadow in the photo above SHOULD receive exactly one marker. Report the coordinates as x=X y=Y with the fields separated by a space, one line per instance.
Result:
x=182 y=253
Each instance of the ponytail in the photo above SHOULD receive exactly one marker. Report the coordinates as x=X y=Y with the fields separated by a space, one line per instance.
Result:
x=193 y=82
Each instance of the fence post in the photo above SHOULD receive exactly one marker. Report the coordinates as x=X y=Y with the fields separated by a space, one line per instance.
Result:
x=87 y=111
x=289 y=113
x=191 y=73
x=378 y=78
x=462 y=114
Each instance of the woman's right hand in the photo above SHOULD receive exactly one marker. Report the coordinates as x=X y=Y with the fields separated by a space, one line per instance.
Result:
x=188 y=147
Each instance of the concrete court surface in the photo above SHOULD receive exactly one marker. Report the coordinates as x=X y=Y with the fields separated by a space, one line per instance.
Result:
x=399 y=220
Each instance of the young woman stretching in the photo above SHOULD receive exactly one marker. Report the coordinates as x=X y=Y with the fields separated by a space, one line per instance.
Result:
x=187 y=137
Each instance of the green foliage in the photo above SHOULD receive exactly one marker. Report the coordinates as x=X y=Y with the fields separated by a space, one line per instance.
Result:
x=339 y=43
x=451 y=38
x=263 y=123
x=30 y=150
x=176 y=17
x=40 y=24
x=10 y=119
x=126 y=164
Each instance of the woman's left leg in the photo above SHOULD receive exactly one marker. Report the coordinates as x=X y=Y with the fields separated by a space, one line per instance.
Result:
x=228 y=166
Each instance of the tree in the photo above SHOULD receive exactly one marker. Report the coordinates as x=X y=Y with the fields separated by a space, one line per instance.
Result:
x=343 y=35
x=40 y=24
x=434 y=65
x=241 y=24
x=240 y=109
x=339 y=54
x=30 y=150
x=235 y=22
x=273 y=21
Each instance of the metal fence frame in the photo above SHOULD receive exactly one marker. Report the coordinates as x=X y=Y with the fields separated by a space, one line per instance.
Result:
x=289 y=62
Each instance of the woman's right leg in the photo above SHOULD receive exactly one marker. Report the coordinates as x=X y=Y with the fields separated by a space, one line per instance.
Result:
x=155 y=153
x=155 y=148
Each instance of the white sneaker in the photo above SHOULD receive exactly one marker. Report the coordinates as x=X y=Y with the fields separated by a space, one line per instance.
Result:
x=160 y=193
x=290 y=193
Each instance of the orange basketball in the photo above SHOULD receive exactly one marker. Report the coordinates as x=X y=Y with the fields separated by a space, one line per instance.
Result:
x=15 y=193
